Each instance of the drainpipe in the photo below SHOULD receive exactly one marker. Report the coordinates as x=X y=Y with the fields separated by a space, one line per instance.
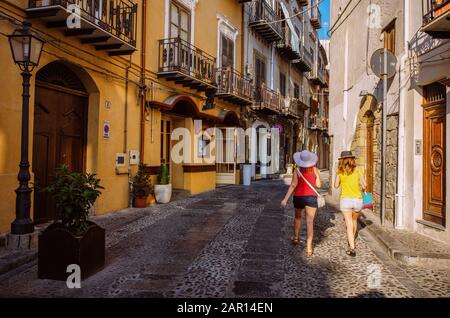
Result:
x=143 y=67
x=400 y=196
x=125 y=143
x=272 y=68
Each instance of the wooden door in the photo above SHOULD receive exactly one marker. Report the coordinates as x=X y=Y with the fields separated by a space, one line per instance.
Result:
x=59 y=138
x=434 y=155
x=369 y=157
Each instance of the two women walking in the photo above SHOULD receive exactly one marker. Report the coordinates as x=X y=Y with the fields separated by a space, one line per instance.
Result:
x=306 y=181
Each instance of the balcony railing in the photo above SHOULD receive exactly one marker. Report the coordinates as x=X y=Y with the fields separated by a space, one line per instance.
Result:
x=262 y=19
x=233 y=86
x=186 y=64
x=436 y=18
x=318 y=123
x=116 y=17
x=287 y=47
x=319 y=76
x=316 y=16
x=295 y=107
x=305 y=62
x=266 y=100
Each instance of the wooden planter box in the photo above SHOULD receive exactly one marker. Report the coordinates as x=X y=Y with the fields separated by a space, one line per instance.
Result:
x=58 y=248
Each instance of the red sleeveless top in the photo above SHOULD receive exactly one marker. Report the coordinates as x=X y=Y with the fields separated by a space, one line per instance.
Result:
x=303 y=189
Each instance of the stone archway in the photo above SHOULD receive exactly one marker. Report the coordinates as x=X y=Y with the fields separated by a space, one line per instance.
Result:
x=366 y=142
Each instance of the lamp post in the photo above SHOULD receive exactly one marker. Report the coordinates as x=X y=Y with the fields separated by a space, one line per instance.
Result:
x=26 y=48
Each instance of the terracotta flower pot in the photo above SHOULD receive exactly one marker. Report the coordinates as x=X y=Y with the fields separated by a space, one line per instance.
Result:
x=140 y=202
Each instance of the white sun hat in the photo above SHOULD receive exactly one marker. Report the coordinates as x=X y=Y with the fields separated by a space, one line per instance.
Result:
x=305 y=159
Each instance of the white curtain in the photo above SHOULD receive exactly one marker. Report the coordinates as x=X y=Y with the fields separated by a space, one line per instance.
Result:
x=295 y=40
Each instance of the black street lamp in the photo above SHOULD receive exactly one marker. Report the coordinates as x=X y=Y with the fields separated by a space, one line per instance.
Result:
x=26 y=48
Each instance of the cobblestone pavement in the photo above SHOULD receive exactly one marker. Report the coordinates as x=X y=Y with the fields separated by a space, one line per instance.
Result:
x=233 y=242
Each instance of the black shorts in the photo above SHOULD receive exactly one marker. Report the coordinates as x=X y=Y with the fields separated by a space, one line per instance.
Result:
x=302 y=202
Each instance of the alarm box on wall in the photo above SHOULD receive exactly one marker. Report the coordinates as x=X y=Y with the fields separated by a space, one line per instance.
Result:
x=134 y=157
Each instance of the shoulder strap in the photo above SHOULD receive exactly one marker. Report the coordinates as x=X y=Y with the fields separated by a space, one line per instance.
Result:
x=307 y=182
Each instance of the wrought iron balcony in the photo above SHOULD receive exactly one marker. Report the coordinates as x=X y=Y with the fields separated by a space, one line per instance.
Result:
x=318 y=123
x=262 y=20
x=266 y=100
x=316 y=16
x=318 y=77
x=286 y=46
x=305 y=61
x=436 y=20
x=295 y=107
x=109 y=25
x=185 y=64
x=233 y=87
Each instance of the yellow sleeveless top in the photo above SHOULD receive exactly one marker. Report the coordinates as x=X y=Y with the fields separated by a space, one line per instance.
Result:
x=350 y=185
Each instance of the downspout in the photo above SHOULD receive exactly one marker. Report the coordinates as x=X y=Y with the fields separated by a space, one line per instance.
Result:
x=400 y=196
x=143 y=68
x=125 y=143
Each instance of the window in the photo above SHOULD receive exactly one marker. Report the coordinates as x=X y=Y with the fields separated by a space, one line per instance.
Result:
x=283 y=84
x=260 y=70
x=296 y=91
x=180 y=22
x=389 y=37
x=227 y=51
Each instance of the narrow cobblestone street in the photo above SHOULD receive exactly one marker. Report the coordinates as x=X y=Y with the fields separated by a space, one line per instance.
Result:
x=232 y=242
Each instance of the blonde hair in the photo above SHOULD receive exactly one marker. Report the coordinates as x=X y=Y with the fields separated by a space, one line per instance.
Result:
x=346 y=166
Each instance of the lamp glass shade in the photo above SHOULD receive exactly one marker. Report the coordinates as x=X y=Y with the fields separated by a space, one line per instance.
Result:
x=26 y=48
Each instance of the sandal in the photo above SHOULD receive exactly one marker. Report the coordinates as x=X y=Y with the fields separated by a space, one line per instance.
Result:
x=351 y=252
x=309 y=253
x=294 y=240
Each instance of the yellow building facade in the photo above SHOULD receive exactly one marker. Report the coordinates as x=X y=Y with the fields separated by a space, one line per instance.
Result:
x=116 y=86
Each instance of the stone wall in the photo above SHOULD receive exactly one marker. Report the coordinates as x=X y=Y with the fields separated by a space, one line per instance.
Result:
x=391 y=167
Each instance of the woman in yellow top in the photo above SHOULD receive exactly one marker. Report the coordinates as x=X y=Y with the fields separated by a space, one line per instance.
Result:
x=352 y=183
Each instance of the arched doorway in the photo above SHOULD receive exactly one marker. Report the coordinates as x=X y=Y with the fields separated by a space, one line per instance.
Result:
x=365 y=139
x=60 y=130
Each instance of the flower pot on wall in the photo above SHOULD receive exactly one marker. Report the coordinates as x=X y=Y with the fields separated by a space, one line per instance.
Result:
x=163 y=193
x=247 y=174
x=59 y=248
x=140 y=202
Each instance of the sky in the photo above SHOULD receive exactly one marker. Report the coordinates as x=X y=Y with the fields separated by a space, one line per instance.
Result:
x=325 y=10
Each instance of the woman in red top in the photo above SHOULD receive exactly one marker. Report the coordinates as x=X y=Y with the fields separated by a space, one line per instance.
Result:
x=305 y=198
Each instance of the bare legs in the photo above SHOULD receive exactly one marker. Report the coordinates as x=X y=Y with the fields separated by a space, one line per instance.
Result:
x=348 y=217
x=310 y=215
x=355 y=216
x=297 y=225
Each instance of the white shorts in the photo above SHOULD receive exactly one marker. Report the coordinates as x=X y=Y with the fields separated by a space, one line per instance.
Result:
x=349 y=204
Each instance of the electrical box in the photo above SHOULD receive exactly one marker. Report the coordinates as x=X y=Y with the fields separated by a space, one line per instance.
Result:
x=418 y=147
x=134 y=157
x=121 y=159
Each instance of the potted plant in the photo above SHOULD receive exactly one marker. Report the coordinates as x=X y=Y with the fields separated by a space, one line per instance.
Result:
x=163 y=189
x=142 y=187
x=247 y=173
x=72 y=238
